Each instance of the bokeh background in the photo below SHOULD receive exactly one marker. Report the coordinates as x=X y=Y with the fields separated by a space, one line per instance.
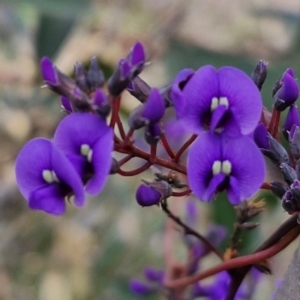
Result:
x=93 y=252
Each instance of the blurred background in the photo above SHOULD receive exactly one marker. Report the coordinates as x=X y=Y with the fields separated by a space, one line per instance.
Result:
x=93 y=252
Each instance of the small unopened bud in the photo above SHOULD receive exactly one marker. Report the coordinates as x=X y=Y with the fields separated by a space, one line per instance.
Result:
x=260 y=136
x=95 y=77
x=147 y=196
x=66 y=104
x=80 y=77
x=276 y=152
x=259 y=74
x=288 y=203
x=139 y=89
x=294 y=141
x=153 y=133
x=292 y=119
x=287 y=91
x=278 y=188
x=288 y=173
x=101 y=104
x=135 y=120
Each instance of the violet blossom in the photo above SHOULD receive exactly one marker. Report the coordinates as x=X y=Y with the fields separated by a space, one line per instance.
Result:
x=46 y=177
x=217 y=162
x=88 y=143
x=220 y=100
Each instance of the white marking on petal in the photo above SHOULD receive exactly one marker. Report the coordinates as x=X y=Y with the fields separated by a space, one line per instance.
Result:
x=49 y=176
x=223 y=101
x=214 y=103
x=216 y=168
x=226 y=167
x=90 y=155
x=84 y=149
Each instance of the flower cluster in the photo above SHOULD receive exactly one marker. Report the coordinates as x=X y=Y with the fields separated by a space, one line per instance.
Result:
x=220 y=123
x=223 y=107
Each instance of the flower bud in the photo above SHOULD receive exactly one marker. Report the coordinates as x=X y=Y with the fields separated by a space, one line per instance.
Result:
x=139 y=89
x=288 y=203
x=80 y=77
x=292 y=118
x=288 y=173
x=66 y=104
x=276 y=152
x=147 y=196
x=259 y=74
x=94 y=77
x=101 y=103
x=135 y=120
x=294 y=141
x=278 y=188
x=260 y=136
x=287 y=91
x=153 y=133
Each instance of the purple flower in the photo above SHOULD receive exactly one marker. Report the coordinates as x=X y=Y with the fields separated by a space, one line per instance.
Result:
x=46 y=177
x=217 y=162
x=225 y=99
x=88 y=143
x=292 y=119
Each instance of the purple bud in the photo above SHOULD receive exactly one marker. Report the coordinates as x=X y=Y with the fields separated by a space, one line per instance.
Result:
x=80 y=77
x=288 y=173
x=147 y=196
x=137 y=54
x=292 y=118
x=278 y=188
x=259 y=74
x=288 y=204
x=154 y=108
x=288 y=92
x=260 y=136
x=95 y=77
x=140 y=288
x=120 y=78
x=294 y=141
x=135 y=120
x=49 y=72
x=66 y=104
x=139 y=89
x=101 y=103
x=153 y=133
x=276 y=152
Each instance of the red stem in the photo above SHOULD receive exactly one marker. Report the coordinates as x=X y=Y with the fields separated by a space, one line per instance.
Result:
x=236 y=262
x=167 y=147
x=181 y=194
x=136 y=171
x=184 y=147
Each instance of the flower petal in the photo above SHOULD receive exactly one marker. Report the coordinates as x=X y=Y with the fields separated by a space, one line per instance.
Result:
x=203 y=153
x=199 y=92
x=67 y=175
x=243 y=96
x=154 y=108
x=213 y=186
x=77 y=129
x=49 y=199
x=233 y=192
x=48 y=71
x=248 y=165
x=101 y=161
x=33 y=158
